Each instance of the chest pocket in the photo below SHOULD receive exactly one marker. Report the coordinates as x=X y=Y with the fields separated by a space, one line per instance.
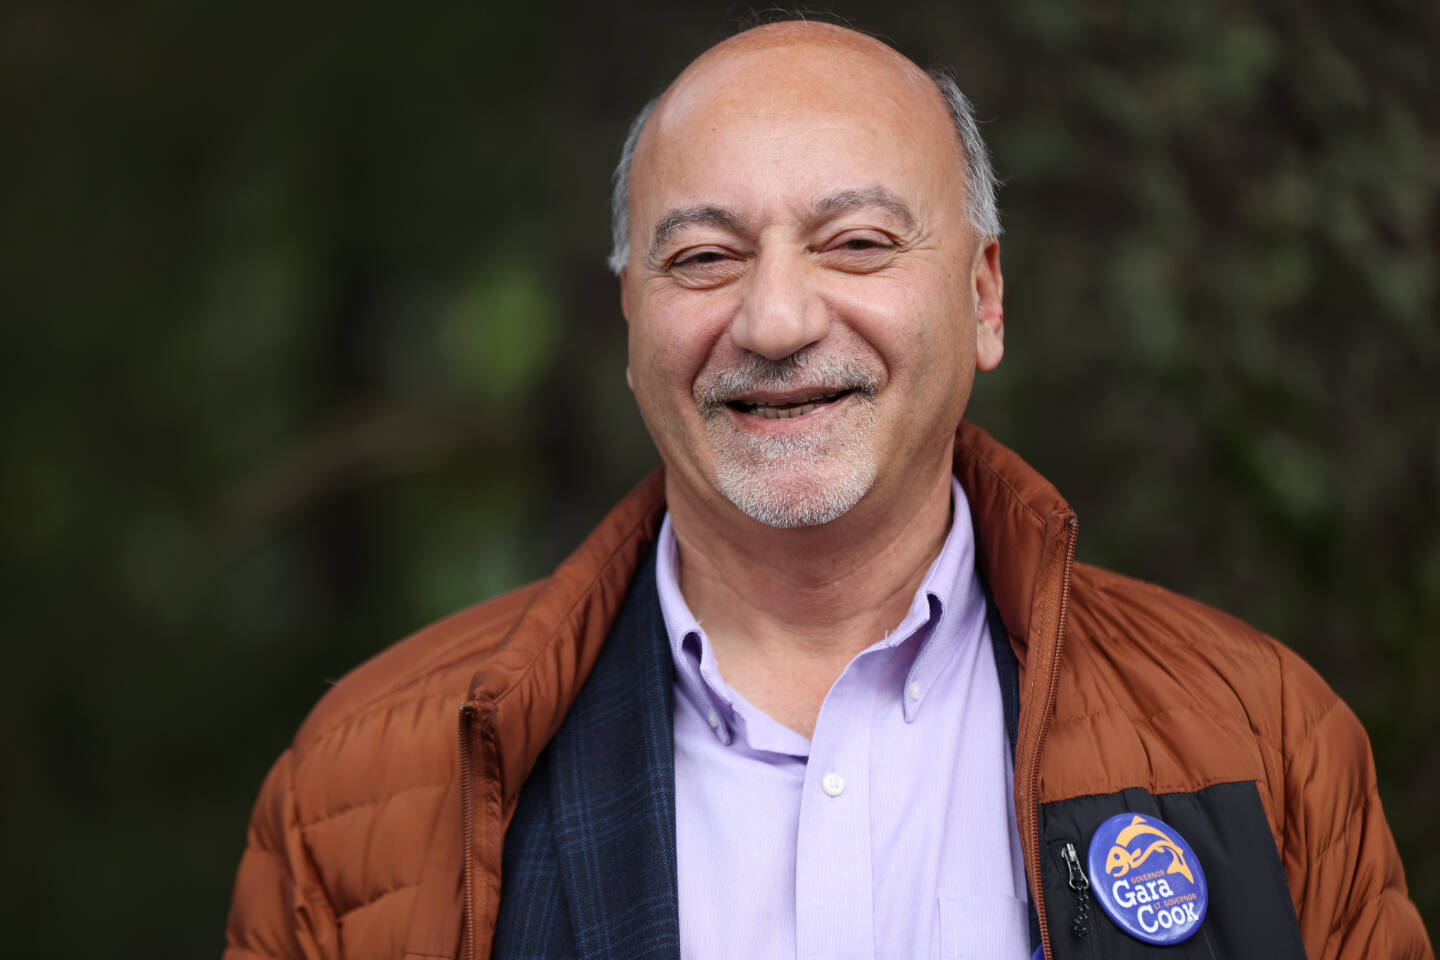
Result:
x=1003 y=934
x=1249 y=914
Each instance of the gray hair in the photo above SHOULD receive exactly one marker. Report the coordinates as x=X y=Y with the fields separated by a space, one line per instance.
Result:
x=980 y=178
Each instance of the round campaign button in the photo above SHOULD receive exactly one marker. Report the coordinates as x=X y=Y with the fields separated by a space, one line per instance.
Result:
x=1148 y=879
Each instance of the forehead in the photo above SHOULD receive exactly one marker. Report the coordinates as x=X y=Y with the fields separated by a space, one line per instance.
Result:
x=802 y=119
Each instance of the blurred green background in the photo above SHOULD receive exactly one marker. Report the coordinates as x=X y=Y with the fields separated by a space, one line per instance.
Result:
x=308 y=340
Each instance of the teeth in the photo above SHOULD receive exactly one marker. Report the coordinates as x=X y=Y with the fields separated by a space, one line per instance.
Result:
x=778 y=413
x=794 y=409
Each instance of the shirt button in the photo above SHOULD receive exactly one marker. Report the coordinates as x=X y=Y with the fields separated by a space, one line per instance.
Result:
x=833 y=784
x=914 y=690
x=714 y=720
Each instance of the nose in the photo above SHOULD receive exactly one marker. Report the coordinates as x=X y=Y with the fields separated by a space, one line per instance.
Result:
x=782 y=313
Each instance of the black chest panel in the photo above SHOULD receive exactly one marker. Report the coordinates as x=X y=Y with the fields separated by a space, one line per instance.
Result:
x=1250 y=914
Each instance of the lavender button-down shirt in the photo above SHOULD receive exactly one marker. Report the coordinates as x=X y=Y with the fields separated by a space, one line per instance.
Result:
x=890 y=833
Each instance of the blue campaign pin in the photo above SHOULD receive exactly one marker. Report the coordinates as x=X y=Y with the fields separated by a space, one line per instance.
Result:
x=1148 y=879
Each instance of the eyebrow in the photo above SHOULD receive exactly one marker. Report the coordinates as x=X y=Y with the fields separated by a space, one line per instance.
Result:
x=676 y=219
x=843 y=202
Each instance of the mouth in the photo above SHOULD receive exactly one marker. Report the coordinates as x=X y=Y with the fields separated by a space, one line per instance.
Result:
x=784 y=408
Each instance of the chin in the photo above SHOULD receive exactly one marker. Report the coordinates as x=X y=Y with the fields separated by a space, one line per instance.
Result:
x=787 y=501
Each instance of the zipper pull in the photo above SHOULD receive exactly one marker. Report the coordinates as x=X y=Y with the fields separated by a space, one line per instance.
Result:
x=1080 y=886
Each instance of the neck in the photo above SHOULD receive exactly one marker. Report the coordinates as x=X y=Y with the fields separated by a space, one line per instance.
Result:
x=788 y=609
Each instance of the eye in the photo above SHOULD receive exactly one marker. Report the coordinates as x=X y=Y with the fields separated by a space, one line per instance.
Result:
x=859 y=251
x=698 y=259
x=705 y=266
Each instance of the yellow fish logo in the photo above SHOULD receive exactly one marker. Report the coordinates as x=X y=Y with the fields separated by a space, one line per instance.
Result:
x=1122 y=858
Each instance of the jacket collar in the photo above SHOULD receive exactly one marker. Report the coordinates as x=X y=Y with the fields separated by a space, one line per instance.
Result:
x=1016 y=512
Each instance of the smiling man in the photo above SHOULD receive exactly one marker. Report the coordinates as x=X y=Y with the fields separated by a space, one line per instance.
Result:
x=830 y=684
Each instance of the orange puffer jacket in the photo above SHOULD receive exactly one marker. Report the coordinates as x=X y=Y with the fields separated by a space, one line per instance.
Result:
x=379 y=832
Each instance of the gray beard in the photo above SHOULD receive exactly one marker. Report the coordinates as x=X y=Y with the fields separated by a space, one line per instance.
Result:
x=762 y=482
x=801 y=481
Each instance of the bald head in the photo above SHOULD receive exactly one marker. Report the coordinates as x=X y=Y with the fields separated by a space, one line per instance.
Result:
x=799 y=49
x=796 y=68
x=816 y=34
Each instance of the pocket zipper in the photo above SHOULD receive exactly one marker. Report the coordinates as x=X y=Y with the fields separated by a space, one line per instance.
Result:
x=1079 y=886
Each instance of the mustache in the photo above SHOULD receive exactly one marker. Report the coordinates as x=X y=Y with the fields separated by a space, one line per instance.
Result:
x=801 y=369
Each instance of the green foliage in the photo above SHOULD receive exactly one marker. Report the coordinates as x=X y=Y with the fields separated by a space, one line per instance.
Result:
x=308 y=340
x=496 y=337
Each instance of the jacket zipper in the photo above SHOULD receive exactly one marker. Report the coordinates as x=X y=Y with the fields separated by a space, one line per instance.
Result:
x=1080 y=886
x=1039 y=892
x=466 y=711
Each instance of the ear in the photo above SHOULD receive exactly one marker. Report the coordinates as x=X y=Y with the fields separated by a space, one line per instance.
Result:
x=989 y=292
x=625 y=311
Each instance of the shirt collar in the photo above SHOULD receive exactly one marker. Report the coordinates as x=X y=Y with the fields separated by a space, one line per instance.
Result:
x=689 y=646
x=944 y=611
x=947 y=608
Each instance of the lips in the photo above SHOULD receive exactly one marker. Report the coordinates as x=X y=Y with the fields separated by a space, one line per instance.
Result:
x=787 y=407
x=801 y=385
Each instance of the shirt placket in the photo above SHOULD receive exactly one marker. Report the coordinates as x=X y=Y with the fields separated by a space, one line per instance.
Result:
x=834 y=902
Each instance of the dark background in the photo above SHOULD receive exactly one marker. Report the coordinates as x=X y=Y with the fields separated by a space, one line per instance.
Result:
x=307 y=340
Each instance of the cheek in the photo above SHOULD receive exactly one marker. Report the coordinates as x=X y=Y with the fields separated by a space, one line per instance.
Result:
x=916 y=328
x=664 y=362
x=675 y=335
x=665 y=359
